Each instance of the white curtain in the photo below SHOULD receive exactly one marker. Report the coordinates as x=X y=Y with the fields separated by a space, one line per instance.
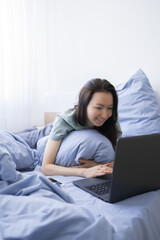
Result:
x=23 y=63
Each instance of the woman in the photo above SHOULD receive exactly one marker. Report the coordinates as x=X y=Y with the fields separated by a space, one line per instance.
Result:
x=96 y=108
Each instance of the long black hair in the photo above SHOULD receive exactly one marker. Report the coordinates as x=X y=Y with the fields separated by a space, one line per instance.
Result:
x=108 y=129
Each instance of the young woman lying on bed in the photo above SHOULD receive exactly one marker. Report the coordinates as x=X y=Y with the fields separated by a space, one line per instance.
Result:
x=96 y=109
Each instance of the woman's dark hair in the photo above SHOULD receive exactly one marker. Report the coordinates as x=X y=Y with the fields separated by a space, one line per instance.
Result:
x=108 y=129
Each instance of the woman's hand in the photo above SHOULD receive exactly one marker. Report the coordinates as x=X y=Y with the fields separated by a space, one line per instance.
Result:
x=97 y=171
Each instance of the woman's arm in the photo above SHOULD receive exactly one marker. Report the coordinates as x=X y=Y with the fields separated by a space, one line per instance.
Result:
x=49 y=168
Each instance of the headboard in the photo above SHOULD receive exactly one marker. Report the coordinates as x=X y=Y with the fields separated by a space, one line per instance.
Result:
x=49 y=117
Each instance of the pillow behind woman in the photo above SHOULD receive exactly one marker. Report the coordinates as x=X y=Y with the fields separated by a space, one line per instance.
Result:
x=85 y=144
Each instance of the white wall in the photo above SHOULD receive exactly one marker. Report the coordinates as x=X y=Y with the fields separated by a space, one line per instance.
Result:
x=102 y=38
x=63 y=43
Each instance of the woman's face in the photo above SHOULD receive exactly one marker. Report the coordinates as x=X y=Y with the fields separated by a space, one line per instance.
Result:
x=99 y=109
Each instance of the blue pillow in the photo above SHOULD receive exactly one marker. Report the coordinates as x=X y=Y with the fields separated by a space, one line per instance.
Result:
x=138 y=107
x=86 y=144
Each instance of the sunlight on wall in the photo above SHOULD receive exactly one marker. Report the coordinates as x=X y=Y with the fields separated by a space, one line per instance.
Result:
x=109 y=39
x=58 y=45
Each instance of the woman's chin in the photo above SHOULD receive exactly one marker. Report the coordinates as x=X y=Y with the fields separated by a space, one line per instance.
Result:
x=95 y=124
x=98 y=124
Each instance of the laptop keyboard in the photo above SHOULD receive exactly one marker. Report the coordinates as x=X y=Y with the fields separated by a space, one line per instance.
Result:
x=101 y=188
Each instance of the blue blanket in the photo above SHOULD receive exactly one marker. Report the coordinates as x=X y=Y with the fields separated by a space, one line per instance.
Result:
x=35 y=208
x=15 y=154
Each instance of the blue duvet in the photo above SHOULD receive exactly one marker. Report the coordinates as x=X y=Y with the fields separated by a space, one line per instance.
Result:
x=32 y=207
x=15 y=154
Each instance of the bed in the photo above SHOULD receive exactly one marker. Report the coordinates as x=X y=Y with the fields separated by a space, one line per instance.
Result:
x=33 y=207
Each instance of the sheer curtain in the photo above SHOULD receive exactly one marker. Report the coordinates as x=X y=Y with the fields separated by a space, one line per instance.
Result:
x=23 y=63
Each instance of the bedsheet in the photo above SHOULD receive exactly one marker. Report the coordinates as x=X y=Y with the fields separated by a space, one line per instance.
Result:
x=133 y=218
x=33 y=207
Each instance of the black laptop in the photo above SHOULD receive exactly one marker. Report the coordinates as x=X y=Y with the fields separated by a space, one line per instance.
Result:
x=136 y=170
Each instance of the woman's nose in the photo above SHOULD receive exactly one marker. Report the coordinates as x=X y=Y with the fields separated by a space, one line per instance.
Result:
x=105 y=114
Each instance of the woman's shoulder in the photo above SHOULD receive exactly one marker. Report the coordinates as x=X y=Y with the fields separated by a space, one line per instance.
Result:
x=68 y=116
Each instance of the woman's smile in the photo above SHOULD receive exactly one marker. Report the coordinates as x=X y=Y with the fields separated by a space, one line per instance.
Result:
x=101 y=121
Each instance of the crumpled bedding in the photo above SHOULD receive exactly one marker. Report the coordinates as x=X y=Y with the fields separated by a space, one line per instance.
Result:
x=34 y=208
x=15 y=155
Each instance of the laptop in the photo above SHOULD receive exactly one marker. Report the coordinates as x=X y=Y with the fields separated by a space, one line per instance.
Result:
x=136 y=170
